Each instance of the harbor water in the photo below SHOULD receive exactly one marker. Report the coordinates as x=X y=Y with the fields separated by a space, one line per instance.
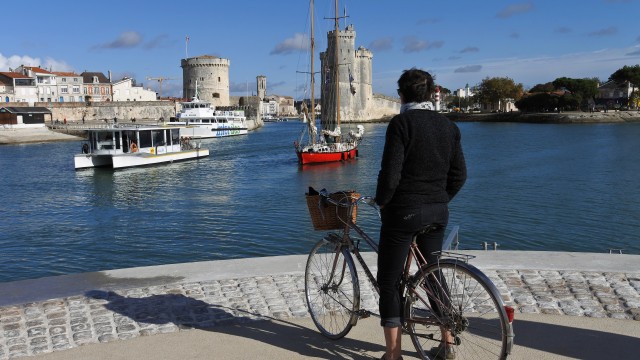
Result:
x=530 y=187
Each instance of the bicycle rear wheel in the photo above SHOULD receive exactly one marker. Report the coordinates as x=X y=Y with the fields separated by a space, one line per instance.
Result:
x=331 y=288
x=458 y=297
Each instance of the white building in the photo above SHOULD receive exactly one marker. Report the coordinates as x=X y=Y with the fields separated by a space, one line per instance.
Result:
x=46 y=82
x=125 y=90
x=69 y=87
x=464 y=93
x=269 y=108
x=18 y=88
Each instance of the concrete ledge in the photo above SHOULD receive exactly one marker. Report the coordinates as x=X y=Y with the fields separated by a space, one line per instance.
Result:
x=26 y=291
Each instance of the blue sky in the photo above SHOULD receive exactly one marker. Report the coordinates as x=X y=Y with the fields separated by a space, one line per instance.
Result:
x=461 y=42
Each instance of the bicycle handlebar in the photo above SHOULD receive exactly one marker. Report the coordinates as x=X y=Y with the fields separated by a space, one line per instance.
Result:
x=369 y=200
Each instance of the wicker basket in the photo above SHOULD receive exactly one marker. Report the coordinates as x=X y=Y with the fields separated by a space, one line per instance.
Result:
x=326 y=216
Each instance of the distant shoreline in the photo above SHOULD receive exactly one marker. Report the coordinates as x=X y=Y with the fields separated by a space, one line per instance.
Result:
x=44 y=134
x=33 y=135
x=569 y=117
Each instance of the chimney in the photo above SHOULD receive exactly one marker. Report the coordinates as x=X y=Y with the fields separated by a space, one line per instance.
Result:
x=109 y=72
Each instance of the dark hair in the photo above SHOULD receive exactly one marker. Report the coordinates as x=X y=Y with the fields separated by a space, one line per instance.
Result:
x=415 y=85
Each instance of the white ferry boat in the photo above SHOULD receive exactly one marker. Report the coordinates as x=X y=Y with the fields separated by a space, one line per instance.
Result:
x=129 y=146
x=203 y=121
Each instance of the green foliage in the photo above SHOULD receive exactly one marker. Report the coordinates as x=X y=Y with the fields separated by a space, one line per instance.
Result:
x=627 y=73
x=492 y=90
x=546 y=102
x=585 y=88
x=538 y=102
x=548 y=87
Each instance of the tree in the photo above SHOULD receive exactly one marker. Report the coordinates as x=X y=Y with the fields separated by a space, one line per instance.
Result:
x=548 y=87
x=498 y=89
x=582 y=90
x=628 y=73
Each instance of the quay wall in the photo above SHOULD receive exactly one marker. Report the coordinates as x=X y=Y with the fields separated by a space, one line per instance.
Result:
x=570 y=117
x=125 y=111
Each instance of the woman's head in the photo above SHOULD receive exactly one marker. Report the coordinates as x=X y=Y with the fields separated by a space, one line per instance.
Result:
x=415 y=86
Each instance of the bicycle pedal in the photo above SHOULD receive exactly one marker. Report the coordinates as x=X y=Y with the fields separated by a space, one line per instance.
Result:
x=363 y=314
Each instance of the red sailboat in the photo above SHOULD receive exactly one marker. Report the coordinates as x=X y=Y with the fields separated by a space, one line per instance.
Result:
x=329 y=145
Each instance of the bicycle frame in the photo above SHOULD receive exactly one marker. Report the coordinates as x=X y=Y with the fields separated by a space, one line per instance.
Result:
x=414 y=253
x=432 y=293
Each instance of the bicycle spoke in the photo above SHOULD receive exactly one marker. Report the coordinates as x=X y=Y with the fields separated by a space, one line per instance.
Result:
x=461 y=302
x=331 y=289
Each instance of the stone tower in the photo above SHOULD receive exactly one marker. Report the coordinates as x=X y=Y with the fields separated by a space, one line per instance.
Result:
x=262 y=86
x=355 y=75
x=212 y=76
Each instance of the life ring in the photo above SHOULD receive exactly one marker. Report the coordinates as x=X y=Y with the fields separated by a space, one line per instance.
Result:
x=134 y=147
x=85 y=148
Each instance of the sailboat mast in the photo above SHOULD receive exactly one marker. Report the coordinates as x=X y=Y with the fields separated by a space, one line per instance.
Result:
x=313 y=81
x=336 y=70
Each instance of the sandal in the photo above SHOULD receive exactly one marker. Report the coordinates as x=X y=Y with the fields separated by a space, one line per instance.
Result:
x=442 y=352
x=384 y=357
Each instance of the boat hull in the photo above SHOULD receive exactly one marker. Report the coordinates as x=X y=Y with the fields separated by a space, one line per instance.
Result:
x=206 y=132
x=305 y=158
x=120 y=161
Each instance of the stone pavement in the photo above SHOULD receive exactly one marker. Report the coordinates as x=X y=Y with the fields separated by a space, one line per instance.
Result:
x=58 y=313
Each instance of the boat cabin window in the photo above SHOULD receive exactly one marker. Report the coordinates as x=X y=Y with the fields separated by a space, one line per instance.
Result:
x=175 y=136
x=103 y=140
x=158 y=137
x=145 y=139
x=128 y=137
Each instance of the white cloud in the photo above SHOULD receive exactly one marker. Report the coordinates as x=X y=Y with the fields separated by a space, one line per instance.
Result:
x=125 y=40
x=299 y=42
x=15 y=61
x=56 y=65
x=531 y=70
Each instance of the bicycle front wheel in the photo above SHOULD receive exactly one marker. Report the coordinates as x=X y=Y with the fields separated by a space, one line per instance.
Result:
x=331 y=288
x=454 y=305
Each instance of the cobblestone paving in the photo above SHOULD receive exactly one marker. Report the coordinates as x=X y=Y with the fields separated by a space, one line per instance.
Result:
x=101 y=316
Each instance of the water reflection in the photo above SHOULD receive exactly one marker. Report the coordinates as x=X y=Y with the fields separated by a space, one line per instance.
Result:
x=530 y=187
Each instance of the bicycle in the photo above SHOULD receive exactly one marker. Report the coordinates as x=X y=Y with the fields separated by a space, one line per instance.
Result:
x=448 y=297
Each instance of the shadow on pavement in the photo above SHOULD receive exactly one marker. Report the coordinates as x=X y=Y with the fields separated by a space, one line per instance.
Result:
x=576 y=343
x=186 y=312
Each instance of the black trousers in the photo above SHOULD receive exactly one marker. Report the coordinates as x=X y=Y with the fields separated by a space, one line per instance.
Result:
x=399 y=225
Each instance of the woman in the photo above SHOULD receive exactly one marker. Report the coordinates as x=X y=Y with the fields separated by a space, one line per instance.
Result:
x=422 y=169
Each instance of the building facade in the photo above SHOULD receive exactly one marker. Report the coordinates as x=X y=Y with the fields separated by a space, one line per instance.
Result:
x=615 y=94
x=209 y=76
x=19 y=88
x=261 y=86
x=126 y=90
x=69 y=87
x=96 y=87
x=46 y=82
x=354 y=81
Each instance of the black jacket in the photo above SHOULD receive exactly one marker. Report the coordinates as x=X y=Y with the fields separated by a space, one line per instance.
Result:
x=422 y=161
